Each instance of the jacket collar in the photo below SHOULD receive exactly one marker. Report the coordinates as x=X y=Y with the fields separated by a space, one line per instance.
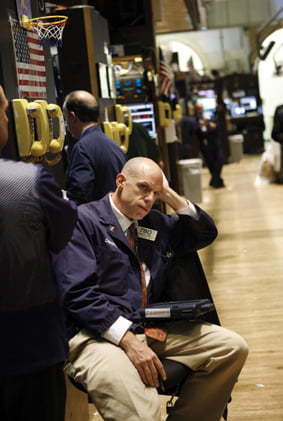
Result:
x=88 y=129
x=108 y=218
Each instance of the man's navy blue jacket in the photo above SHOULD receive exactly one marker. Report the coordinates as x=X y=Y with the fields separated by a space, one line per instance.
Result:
x=94 y=163
x=99 y=273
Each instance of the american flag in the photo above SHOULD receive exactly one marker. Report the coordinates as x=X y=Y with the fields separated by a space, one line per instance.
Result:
x=165 y=82
x=30 y=63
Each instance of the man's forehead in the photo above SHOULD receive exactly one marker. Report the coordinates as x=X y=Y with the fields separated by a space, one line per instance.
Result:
x=153 y=182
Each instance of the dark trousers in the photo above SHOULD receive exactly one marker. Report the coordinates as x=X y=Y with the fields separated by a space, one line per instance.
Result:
x=39 y=396
x=214 y=159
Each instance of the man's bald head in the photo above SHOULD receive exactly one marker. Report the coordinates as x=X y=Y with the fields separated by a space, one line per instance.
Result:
x=138 y=186
x=83 y=104
x=198 y=108
x=135 y=166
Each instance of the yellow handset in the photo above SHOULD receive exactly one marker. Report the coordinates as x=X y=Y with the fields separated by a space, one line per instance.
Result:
x=108 y=129
x=116 y=131
x=165 y=113
x=124 y=131
x=124 y=116
x=177 y=113
x=24 y=127
x=56 y=145
x=111 y=129
x=34 y=119
x=36 y=110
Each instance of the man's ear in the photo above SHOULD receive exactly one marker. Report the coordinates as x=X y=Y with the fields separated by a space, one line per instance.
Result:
x=120 y=179
x=73 y=115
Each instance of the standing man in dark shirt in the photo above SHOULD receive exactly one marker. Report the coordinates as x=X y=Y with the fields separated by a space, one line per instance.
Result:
x=35 y=220
x=95 y=158
x=206 y=131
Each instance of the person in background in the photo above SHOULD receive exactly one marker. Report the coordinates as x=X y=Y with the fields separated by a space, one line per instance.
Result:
x=105 y=279
x=185 y=148
x=34 y=220
x=206 y=132
x=277 y=129
x=95 y=158
x=141 y=144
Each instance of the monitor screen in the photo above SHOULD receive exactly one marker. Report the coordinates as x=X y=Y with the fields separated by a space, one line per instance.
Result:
x=209 y=107
x=130 y=88
x=206 y=93
x=208 y=103
x=144 y=114
x=227 y=102
x=208 y=100
x=249 y=103
x=237 y=110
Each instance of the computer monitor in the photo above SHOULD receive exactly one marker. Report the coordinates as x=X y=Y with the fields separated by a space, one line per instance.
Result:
x=227 y=102
x=144 y=114
x=130 y=89
x=249 y=103
x=208 y=100
x=237 y=110
x=206 y=93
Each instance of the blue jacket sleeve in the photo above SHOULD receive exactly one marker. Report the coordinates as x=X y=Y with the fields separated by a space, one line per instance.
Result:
x=80 y=175
x=85 y=291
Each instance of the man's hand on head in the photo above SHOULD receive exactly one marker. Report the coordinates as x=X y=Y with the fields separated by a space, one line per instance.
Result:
x=170 y=197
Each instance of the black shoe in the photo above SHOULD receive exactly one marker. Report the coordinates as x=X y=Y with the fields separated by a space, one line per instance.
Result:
x=217 y=184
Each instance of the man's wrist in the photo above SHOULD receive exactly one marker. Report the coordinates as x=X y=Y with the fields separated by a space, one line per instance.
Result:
x=117 y=330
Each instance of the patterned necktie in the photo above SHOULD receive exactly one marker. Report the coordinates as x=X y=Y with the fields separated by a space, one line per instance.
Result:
x=155 y=333
x=132 y=241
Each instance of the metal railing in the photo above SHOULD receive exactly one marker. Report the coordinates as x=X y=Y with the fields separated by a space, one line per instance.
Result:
x=263 y=31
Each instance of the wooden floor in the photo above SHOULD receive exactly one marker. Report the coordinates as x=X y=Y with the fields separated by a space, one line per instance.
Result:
x=244 y=267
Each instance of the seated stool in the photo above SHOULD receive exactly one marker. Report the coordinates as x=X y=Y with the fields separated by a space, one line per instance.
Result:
x=76 y=403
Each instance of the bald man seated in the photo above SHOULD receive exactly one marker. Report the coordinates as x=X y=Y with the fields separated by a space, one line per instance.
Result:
x=104 y=281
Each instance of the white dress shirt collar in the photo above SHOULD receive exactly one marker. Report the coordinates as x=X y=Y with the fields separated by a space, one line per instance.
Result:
x=122 y=219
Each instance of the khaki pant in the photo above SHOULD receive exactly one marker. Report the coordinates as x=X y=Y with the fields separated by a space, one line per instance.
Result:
x=214 y=353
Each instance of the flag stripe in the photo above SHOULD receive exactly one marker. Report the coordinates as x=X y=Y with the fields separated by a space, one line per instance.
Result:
x=32 y=72
x=30 y=62
x=30 y=82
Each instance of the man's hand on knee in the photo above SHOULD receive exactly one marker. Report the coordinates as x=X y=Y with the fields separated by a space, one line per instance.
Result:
x=144 y=359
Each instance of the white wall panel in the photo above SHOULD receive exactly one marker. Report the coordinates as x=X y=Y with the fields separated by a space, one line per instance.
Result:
x=237 y=12
x=217 y=14
x=259 y=11
x=227 y=13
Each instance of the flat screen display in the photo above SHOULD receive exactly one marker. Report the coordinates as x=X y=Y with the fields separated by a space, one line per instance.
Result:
x=208 y=100
x=129 y=89
x=144 y=114
x=249 y=103
x=237 y=110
